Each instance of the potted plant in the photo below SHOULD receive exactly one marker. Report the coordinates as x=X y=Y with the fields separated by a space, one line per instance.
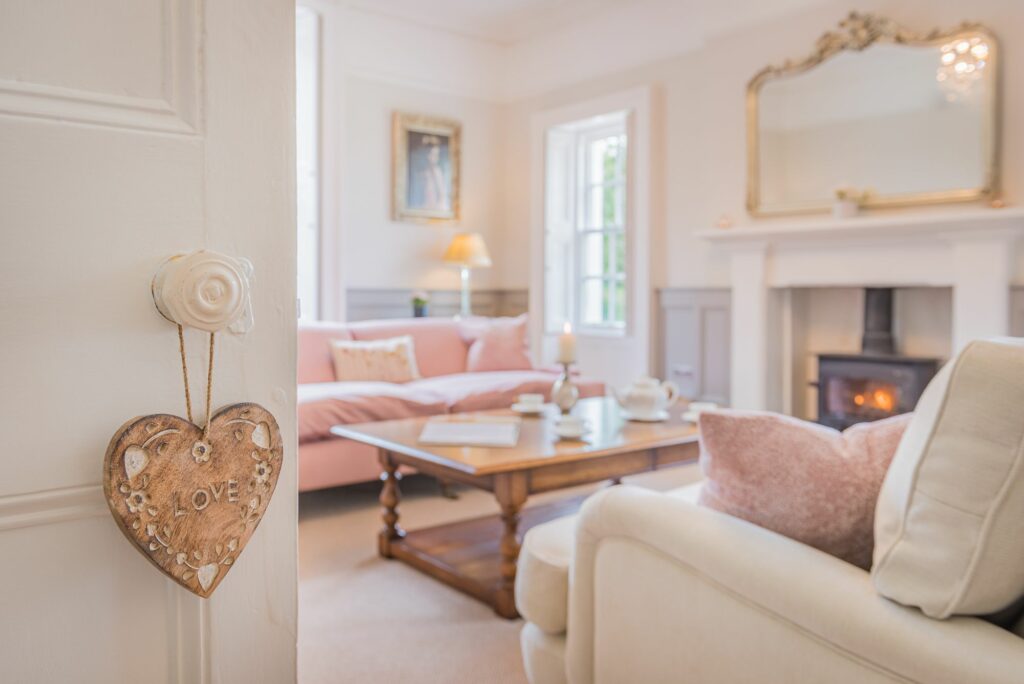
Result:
x=420 y=301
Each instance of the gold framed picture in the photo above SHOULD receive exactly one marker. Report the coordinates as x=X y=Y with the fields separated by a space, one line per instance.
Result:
x=426 y=154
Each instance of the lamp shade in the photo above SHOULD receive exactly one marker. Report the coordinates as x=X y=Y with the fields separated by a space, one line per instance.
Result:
x=468 y=250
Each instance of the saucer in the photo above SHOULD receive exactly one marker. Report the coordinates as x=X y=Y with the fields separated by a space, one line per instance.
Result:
x=529 y=409
x=648 y=418
x=691 y=416
x=566 y=432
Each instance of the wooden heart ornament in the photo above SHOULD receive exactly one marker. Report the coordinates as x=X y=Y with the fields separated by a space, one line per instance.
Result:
x=191 y=504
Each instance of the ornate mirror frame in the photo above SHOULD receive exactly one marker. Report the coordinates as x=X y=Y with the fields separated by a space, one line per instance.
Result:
x=856 y=33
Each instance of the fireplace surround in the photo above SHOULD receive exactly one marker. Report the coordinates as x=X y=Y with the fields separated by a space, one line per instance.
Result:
x=973 y=251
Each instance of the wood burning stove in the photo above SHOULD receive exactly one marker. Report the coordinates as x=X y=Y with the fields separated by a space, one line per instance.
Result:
x=878 y=382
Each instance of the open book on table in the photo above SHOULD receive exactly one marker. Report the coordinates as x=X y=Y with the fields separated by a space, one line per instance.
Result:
x=486 y=431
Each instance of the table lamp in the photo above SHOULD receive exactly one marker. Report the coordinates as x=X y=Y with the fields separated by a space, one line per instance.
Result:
x=467 y=250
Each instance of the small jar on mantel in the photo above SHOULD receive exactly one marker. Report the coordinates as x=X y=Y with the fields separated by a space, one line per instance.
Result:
x=847 y=203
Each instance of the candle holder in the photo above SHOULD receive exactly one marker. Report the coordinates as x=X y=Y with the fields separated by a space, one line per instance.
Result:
x=564 y=393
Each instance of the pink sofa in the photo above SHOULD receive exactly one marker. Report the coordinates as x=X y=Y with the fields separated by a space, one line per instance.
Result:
x=446 y=387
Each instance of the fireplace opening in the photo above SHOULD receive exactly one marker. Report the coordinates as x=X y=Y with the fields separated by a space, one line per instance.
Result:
x=876 y=383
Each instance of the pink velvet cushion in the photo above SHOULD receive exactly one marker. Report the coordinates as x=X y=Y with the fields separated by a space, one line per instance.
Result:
x=806 y=481
x=497 y=344
x=324 y=405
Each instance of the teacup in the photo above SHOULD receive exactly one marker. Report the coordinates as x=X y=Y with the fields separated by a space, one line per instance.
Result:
x=699 y=407
x=530 y=400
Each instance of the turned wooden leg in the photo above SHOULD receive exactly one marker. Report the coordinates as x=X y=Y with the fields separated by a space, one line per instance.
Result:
x=390 y=495
x=511 y=491
x=447 y=489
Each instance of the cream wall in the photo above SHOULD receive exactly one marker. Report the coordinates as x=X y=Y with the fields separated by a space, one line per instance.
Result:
x=699 y=171
x=371 y=66
x=700 y=105
x=384 y=253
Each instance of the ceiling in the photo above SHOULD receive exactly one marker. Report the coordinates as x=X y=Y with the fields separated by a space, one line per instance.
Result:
x=497 y=21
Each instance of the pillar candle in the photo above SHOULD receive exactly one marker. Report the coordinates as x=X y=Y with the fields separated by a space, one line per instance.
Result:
x=567 y=345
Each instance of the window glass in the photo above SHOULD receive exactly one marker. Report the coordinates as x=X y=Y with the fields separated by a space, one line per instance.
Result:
x=586 y=217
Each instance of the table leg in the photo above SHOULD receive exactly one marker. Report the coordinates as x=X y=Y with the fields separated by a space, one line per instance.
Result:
x=447 y=489
x=511 y=491
x=390 y=495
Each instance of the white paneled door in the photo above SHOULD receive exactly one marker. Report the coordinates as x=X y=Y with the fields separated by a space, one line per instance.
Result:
x=131 y=130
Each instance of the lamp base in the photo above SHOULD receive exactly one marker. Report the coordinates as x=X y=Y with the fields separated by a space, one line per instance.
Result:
x=464 y=309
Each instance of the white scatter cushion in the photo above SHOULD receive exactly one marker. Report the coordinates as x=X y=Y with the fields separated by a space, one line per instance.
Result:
x=389 y=360
x=949 y=525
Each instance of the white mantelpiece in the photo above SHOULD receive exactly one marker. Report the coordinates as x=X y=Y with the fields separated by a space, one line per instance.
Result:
x=968 y=250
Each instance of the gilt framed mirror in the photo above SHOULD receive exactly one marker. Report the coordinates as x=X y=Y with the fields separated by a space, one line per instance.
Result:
x=878 y=113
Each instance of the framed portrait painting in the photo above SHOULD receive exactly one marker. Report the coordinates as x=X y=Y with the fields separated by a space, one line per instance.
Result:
x=425 y=159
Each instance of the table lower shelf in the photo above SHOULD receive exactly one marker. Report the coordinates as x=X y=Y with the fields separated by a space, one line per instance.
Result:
x=466 y=554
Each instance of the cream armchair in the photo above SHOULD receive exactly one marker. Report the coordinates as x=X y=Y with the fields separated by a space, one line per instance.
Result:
x=649 y=587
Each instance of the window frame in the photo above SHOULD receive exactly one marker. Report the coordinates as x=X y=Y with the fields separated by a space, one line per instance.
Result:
x=583 y=226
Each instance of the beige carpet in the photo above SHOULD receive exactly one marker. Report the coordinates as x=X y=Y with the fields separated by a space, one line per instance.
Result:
x=366 y=619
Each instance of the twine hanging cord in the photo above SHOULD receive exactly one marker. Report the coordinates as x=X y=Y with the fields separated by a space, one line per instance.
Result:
x=184 y=376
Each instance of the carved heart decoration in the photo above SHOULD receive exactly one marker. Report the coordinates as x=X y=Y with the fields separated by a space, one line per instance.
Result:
x=189 y=505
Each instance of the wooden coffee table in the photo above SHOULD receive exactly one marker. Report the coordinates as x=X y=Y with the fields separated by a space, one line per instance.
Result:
x=479 y=556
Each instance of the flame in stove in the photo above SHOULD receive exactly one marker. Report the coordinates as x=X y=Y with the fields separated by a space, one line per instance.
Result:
x=880 y=399
x=883 y=400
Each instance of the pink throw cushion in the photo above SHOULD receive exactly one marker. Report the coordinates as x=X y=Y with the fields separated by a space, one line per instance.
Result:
x=808 y=482
x=497 y=344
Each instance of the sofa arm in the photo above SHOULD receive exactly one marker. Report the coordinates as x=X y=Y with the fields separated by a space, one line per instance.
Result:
x=810 y=598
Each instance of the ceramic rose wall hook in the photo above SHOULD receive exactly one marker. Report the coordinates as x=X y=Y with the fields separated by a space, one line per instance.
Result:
x=189 y=496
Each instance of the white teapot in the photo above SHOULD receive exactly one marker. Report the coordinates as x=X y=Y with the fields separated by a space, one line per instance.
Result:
x=647 y=398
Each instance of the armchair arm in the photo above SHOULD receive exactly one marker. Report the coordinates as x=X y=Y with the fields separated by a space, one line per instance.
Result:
x=798 y=595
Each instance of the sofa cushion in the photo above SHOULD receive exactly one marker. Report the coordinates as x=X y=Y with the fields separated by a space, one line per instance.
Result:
x=806 y=481
x=497 y=389
x=389 y=360
x=948 y=524
x=324 y=405
x=497 y=344
x=440 y=348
